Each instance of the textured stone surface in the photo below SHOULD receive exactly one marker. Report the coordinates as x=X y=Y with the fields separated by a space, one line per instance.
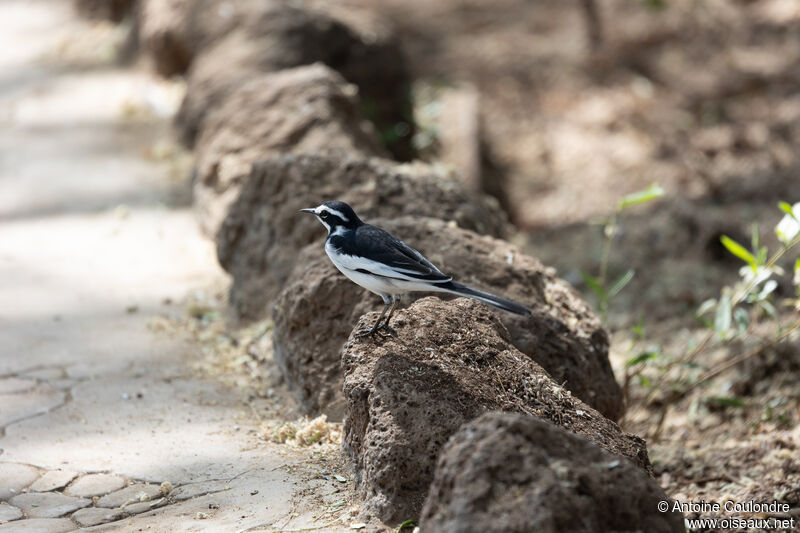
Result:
x=40 y=399
x=515 y=473
x=138 y=492
x=451 y=362
x=259 y=241
x=15 y=477
x=227 y=43
x=91 y=516
x=95 y=485
x=305 y=109
x=9 y=512
x=141 y=507
x=39 y=525
x=14 y=385
x=193 y=490
x=316 y=311
x=52 y=480
x=72 y=155
x=48 y=504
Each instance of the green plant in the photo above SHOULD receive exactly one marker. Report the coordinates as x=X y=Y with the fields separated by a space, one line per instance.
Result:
x=731 y=316
x=407 y=524
x=599 y=284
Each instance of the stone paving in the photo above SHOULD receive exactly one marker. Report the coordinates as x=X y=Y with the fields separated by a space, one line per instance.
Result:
x=103 y=424
x=88 y=499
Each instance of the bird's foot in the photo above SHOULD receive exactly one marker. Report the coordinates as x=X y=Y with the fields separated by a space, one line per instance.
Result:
x=366 y=332
x=385 y=331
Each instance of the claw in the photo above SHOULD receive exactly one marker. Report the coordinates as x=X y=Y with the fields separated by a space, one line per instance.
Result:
x=390 y=331
x=366 y=332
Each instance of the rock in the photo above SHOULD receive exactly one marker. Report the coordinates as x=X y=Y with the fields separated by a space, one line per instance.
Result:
x=451 y=362
x=305 y=109
x=138 y=492
x=259 y=240
x=39 y=525
x=48 y=504
x=114 y=10
x=9 y=513
x=164 y=34
x=192 y=490
x=15 y=477
x=318 y=308
x=141 y=507
x=92 y=516
x=95 y=485
x=515 y=473
x=228 y=43
x=52 y=480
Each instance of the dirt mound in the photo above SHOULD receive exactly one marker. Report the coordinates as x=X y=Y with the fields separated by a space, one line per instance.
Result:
x=261 y=237
x=451 y=362
x=305 y=109
x=316 y=312
x=515 y=473
x=221 y=44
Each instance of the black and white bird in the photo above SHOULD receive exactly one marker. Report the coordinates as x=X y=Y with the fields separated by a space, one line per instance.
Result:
x=385 y=265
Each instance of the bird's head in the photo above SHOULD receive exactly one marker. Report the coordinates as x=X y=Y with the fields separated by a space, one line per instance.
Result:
x=335 y=215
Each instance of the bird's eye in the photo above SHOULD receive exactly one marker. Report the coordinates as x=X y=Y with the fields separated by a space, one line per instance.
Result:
x=324 y=214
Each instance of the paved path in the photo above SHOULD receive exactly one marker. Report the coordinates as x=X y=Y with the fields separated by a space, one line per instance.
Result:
x=93 y=241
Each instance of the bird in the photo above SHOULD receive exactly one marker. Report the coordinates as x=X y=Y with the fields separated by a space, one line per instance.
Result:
x=383 y=264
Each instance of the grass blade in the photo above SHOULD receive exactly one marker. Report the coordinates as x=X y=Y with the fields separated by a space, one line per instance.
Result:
x=651 y=193
x=738 y=250
x=621 y=283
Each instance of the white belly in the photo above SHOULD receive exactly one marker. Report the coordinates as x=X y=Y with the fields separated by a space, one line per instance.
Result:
x=382 y=286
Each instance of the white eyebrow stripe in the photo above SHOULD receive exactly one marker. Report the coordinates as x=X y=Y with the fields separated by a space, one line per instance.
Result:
x=333 y=212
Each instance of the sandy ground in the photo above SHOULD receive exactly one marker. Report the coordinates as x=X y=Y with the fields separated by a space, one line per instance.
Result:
x=96 y=238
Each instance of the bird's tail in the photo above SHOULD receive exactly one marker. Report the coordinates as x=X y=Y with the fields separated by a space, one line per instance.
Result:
x=485 y=297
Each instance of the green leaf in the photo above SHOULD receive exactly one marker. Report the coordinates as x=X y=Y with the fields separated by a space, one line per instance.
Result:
x=797 y=266
x=722 y=320
x=621 y=283
x=786 y=208
x=738 y=250
x=755 y=238
x=641 y=358
x=594 y=284
x=761 y=258
x=638 y=328
x=651 y=193
x=407 y=523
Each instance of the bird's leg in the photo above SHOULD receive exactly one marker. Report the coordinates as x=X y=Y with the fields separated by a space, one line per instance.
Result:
x=371 y=331
x=386 y=326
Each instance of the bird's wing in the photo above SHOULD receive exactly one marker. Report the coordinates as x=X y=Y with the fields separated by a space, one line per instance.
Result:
x=382 y=254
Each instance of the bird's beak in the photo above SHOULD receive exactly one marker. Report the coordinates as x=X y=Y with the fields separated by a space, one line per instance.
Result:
x=308 y=211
